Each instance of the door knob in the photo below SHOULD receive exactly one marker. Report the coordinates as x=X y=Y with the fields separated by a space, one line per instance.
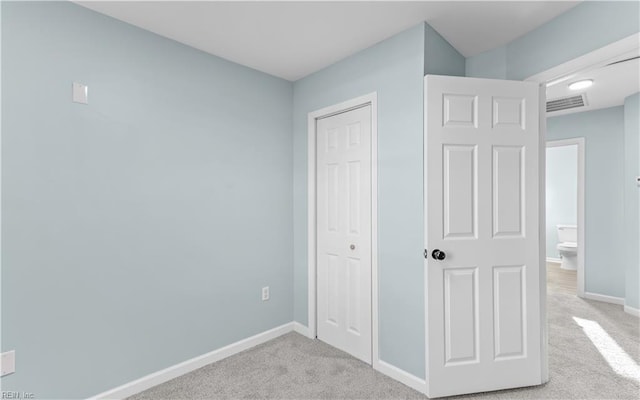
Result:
x=438 y=255
x=352 y=247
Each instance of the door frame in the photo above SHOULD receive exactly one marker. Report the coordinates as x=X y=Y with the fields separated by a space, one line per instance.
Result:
x=580 y=142
x=358 y=102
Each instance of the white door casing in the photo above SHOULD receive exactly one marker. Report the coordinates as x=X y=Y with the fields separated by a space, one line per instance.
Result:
x=343 y=249
x=482 y=209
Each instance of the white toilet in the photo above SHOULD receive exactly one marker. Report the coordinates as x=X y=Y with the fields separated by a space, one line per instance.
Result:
x=568 y=246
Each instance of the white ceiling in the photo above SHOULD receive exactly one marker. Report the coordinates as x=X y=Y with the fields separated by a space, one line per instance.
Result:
x=294 y=39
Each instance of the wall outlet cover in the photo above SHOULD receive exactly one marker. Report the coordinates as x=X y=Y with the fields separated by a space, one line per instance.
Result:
x=265 y=293
x=80 y=93
x=8 y=362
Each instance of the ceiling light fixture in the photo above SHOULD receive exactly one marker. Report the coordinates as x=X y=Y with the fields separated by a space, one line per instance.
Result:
x=583 y=84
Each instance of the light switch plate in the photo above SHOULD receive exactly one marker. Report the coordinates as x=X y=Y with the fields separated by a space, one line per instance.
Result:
x=8 y=363
x=80 y=93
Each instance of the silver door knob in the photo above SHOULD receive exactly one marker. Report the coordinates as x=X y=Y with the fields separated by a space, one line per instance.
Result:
x=352 y=247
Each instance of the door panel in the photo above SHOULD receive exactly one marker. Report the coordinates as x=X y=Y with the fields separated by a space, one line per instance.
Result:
x=509 y=313
x=482 y=143
x=461 y=315
x=330 y=293
x=508 y=191
x=354 y=279
x=459 y=191
x=344 y=231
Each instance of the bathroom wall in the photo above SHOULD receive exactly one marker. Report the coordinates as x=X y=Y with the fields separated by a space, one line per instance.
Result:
x=632 y=199
x=561 y=192
x=603 y=131
x=137 y=230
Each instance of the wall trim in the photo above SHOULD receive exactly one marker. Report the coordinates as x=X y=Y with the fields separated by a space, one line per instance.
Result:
x=401 y=376
x=604 y=298
x=554 y=260
x=156 y=378
x=594 y=59
x=368 y=99
x=174 y=371
x=301 y=329
x=631 y=310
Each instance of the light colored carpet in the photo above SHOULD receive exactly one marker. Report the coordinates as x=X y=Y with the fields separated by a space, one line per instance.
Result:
x=294 y=367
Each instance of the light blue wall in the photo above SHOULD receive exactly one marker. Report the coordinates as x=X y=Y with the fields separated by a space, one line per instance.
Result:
x=393 y=69
x=142 y=226
x=491 y=64
x=603 y=131
x=137 y=230
x=632 y=199
x=584 y=28
x=440 y=58
x=561 y=191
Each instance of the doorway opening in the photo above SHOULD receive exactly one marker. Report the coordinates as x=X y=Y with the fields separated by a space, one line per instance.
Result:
x=565 y=222
x=609 y=75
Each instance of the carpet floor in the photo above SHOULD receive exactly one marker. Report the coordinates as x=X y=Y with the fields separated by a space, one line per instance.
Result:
x=294 y=367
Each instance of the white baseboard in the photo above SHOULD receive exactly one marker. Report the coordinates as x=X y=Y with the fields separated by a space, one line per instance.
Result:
x=301 y=329
x=156 y=378
x=554 y=260
x=604 y=298
x=631 y=310
x=149 y=381
x=391 y=371
x=401 y=376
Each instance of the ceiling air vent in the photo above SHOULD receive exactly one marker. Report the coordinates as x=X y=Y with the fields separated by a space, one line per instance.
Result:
x=566 y=103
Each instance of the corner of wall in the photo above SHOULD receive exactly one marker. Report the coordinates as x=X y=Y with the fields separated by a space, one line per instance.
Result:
x=393 y=68
x=491 y=64
x=139 y=200
x=440 y=57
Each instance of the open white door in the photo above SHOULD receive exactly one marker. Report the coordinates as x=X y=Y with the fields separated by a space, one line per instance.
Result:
x=482 y=209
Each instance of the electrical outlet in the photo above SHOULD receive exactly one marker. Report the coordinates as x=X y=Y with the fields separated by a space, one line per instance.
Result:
x=8 y=363
x=265 y=293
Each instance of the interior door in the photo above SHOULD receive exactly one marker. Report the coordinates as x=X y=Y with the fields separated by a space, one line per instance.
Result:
x=344 y=231
x=482 y=207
